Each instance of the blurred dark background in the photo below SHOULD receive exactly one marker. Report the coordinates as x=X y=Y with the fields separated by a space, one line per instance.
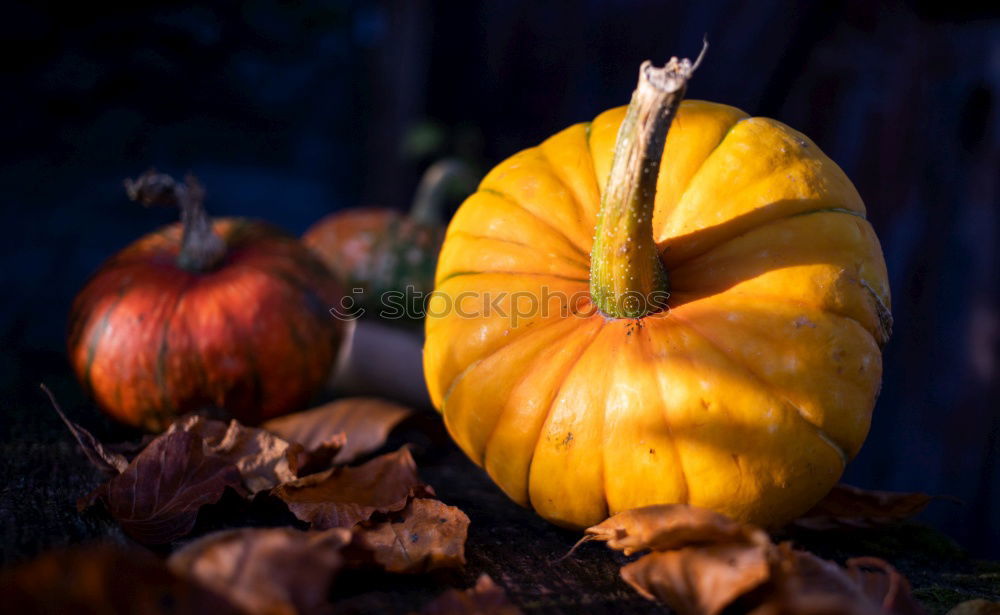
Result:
x=288 y=111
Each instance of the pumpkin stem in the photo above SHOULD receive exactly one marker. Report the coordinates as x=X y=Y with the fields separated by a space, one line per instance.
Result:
x=201 y=248
x=435 y=184
x=627 y=279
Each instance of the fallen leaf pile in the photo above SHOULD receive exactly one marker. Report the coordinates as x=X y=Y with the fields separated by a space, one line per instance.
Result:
x=157 y=497
x=354 y=512
x=703 y=563
x=426 y=535
x=266 y=570
x=262 y=458
x=344 y=496
x=323 y=431
x=378 y=514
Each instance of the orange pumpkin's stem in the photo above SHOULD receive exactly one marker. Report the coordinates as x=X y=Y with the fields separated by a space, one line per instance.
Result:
x=201 y=248
x=627 y=279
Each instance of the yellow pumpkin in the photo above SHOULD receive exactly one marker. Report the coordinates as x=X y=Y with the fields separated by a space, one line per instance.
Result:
x=745 y=391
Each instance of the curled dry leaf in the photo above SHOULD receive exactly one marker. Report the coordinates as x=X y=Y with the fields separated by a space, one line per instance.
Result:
x=485 y=598
x=365 y=421
x=156 y=499
x=847 y=506
x=343 y=496
x=700 y=580
x=802 y=583
x=670 y=526
x=705 y=563
x=307 y=462
x=108 y=461
x=273 y=571
x=884 y=585
x=263 y=459
x=104 y=578
x=428 y=535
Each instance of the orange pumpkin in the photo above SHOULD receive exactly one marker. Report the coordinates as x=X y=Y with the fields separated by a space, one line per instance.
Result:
x=231 y=314
x=626 y=317
x=377 y=250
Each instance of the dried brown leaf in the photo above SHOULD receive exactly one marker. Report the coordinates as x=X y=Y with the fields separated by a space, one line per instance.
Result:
x=802 y=583
x=485 y=598
x=705 y=563
x=343 y=496
x=884 y=585
x=671 y=526
x=156 y=499
x=130 y=448
x=976 y=607
x=307 y=462
x=264 y=459
x=847 y=506
x=365 y=421
x=700 y=580
x=428 y=535
x=104 y=578
x=273 y=571
x=101 y=456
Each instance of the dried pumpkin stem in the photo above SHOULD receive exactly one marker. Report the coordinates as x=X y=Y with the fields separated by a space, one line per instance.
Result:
x=435 y=184
x=201 y=248
x=627 y=279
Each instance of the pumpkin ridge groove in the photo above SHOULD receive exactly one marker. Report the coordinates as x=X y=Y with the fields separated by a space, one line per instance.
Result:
x=516 y=203
x=459 y=274
x=783 y=299
x=251 y=359
x=820 y=433
x=690 y=180
x=527 y=372
x=686 y=497
x=559 y=174
x=312 y=299
x=198 y=363
x=163 y=350
x=523 y=377
x=548 y=413
x=566 y=259
x=458 y=378
x=95 y=337
x=832 y=210
x=759 y=180
x=604 y=462
x=755 y=227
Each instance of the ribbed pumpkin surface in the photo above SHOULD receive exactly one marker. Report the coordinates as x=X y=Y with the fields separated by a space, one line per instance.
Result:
x=151 y=340
x=747 y=396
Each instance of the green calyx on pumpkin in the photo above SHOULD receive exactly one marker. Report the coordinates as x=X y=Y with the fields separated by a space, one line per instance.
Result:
x=627 y=279
x=201 y=247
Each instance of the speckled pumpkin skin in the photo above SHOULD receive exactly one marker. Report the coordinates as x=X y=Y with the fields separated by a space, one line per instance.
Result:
x=747 y=396
x=376 y=250
x=150 y=340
